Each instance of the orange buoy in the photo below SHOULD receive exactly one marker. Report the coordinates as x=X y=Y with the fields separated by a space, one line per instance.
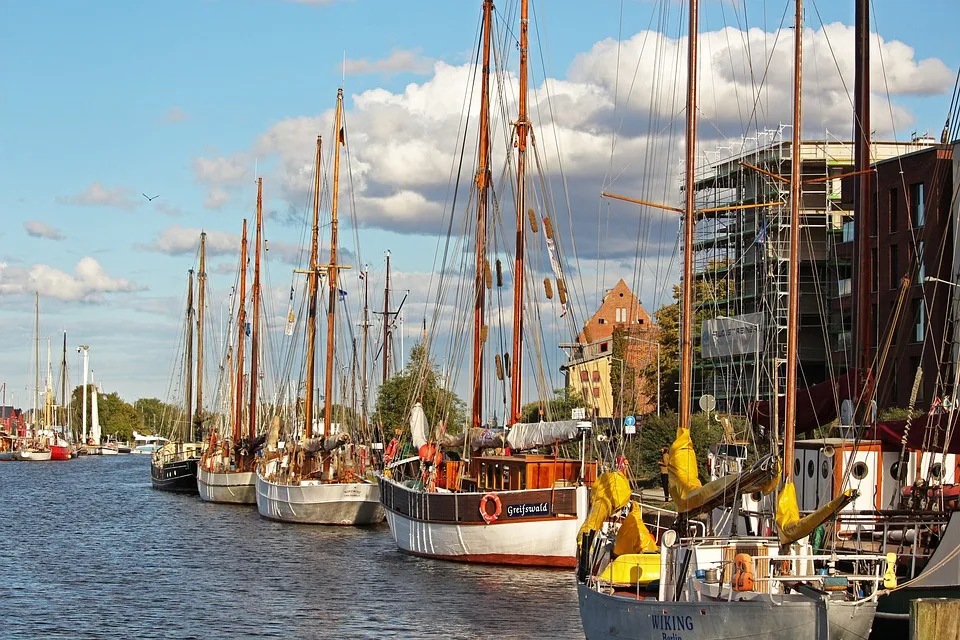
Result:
x=498 y=508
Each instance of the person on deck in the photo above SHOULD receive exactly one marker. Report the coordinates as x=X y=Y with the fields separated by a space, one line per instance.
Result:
x=664 y=473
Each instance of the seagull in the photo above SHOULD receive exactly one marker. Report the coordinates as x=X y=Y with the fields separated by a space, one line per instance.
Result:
x=149 y=199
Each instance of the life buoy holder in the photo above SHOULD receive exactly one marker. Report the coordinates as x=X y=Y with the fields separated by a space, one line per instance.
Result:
x=487 y=516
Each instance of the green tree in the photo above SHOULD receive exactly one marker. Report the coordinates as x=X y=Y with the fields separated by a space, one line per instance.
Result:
x=655 y=432
x=420 y=380
x=116 y=417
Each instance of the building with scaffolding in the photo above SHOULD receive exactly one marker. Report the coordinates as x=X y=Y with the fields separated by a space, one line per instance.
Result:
x=741 y=259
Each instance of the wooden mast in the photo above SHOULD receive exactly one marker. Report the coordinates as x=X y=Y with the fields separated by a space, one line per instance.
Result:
x=796 y=206
x=201 y=296
x=312 y=305
x=254 y=335
x=862 y=212
x=333 y=270
x=64 y=414
x=522 y=131
x=386 y=324
x=189 y=362
x=689 y=224
x=36 y=388
x=363 y=348
x=483 y=183
x=241 y=338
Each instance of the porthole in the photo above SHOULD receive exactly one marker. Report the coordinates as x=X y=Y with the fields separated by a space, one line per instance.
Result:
x=859 y=470
x=756 y=496
x=796 y=467
x=895 y=470
x=936 y=471
x=824 y=470
x=811 y=469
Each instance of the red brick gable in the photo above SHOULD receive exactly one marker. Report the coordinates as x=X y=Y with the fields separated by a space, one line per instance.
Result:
x=619 y=307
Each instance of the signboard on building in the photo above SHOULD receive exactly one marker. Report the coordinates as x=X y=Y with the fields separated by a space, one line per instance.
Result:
x=731 y=336
x=579 y=413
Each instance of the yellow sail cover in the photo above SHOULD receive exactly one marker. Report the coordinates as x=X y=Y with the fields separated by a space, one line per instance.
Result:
x=633 y=536
x=692 y=497
x=791 y=527
x=610 y=492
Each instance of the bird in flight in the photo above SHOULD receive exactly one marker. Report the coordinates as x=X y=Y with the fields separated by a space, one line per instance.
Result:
x=149 y=199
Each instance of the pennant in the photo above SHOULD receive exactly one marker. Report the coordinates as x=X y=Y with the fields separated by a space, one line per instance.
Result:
x=291 y=318
x=342 y=137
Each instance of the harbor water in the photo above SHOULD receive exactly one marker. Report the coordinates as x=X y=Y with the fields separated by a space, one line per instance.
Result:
x=92 y=551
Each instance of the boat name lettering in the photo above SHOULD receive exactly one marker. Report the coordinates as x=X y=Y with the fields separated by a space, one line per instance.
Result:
x=666 y=622
x=521 y=510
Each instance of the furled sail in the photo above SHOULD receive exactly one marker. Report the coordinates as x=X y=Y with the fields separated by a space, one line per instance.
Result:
x=791 y=527
x=611 y=492
x=94 y=416
x=326 y=444
x=531 y=435
x=692 y=497
x=479 y=438
x=419 y=428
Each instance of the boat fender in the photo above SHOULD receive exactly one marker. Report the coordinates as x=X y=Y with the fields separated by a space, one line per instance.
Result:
x=487 y=516
x=743 y=572
x=363 y=462
x=890 y=575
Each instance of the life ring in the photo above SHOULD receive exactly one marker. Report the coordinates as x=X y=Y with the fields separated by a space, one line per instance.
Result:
x=490 y=517
x=390 y=452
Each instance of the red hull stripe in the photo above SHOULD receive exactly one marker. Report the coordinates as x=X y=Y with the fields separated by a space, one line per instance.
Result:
x=557 y=562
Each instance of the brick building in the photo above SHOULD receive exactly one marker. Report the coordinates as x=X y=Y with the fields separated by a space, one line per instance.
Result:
x=593 y=363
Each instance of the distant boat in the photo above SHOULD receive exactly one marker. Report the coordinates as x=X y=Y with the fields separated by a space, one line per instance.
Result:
x=33 y=454
x=146 y=444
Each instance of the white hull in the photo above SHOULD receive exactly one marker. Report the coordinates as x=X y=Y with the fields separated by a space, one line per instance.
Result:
x=33 y=456
x=238 y=487
x=109 y=451
x=313 y=502
x=548 y=542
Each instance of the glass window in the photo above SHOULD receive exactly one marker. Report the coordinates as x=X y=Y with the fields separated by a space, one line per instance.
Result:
x=916 y=204
x=847 y=232
x=894 y=209
x=921 y=258
x=920 y=327
x=584 y=376
x=859 y=470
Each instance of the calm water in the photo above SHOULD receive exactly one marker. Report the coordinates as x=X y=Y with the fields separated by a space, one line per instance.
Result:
x=91 y=551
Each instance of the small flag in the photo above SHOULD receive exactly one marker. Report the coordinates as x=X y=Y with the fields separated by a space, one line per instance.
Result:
x=291 y=318
x=342 y=137
x=246 y=329
x=343 y=294
x=362 y=275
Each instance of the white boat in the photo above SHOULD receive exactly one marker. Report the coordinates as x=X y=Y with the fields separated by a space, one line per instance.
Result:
x=450 y=526
x=109 y=449
x=234 y=487
x=29 y=455
x=318 y=502
x=146 y=445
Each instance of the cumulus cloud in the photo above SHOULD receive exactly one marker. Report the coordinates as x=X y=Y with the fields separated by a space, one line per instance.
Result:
x=403 y=144
x=399 y=61
x=221 y=175
x=97 y=195
x=38 y=229
x=174 y=115
x=88 y=282
x=180 y=241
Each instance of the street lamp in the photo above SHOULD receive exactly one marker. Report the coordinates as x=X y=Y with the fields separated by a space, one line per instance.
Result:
x=756 y=357
x=657 y=344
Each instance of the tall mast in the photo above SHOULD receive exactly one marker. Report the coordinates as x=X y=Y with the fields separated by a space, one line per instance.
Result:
x=796 y=205
x=312 y=307
x=48 y=389
x=386 y=324
x=63 y=384
x=483 y=183
x=522 y=128
x=333 y=270
x=189 y=361
x=255 y=294
x=862 y=212
x=201 y=296
x=363 y=350
x=241 y=338
x=36 y=388
x=689 y=224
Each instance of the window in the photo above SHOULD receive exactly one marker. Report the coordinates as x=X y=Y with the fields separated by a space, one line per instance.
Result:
x=604 y=347
x=596 y=376
x=859 y=470
x=584 y=376
x=874 y=267
x=621 y=314
x=811 y=468
x=921 y=258
x=920 y=328
x=844 y=286
x=847 y=232
x=894 y=209
x=596 y=392
x=916 y=204
x=936 y=471
x=824 y=470
x=894 y=266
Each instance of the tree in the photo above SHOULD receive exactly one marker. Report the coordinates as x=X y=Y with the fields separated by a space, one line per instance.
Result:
x=116 y=417
x=655 y=432
x=421 y=377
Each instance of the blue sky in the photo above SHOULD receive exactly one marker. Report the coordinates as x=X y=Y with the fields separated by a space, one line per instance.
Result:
x=100 y=101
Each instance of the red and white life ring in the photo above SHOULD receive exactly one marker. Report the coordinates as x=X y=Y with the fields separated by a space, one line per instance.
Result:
x=490 y=517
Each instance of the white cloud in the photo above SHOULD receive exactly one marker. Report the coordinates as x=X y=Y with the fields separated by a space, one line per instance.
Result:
x=38 y=229
x=179 y=241
x=97 y=195
x=174 y=115
x=88 y=282
x=216 y=198
x=399 y=61
x=221 y=175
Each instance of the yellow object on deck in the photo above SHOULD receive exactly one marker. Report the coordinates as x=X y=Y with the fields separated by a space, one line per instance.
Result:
x=791 y=527
x=890 y=575
x=633 y=568
x=610 y=492
x=684 y=478
x=633 y=536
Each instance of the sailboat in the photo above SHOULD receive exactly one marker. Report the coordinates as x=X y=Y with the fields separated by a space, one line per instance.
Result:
x=173 y=466
x=226 y=472
x=36 y=447
x=319 y=480
x=508 y=507
x=723 y=586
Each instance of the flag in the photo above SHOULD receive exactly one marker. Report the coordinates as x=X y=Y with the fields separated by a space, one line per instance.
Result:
x=343 y=294
x=291 y=318
x=342 y=138
x=246 y=329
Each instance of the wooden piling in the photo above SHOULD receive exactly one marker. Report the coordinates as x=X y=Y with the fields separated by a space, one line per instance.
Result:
x=935 y=619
